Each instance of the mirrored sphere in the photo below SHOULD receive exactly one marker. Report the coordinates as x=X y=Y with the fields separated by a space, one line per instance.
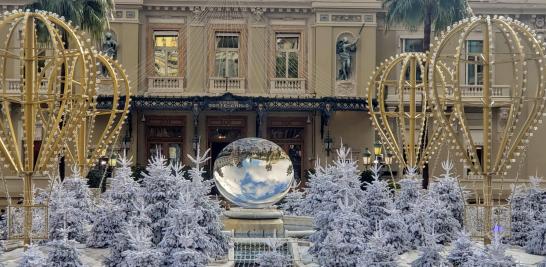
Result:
x=253 y=173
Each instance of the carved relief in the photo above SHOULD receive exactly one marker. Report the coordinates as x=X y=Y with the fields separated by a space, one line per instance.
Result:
x=258 y=13
x=345 y=88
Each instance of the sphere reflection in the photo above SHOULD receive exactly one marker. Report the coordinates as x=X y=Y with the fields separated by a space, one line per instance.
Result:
x=253 y=173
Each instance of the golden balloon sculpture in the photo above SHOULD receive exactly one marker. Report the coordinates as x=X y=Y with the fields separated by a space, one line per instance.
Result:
x=400 y=111
x=509 y=113
x=48 y=100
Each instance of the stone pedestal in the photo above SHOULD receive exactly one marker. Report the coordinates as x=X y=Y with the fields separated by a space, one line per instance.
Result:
x=254 y=222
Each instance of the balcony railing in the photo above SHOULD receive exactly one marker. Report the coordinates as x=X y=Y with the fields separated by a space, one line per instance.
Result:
x=469 y=93
x=221 y=85
x=162 y=85
x=287 y=86
x=14 y=86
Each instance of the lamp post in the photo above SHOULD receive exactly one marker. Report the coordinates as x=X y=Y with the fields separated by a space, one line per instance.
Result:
x=328 y=144
x=377 y=150
x=195 y=143
x=366 y=157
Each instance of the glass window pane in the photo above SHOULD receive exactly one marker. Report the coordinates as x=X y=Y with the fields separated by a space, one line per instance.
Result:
x=220 y=64
x=280 y=65
x=232 y=64
x=413 y=45
x=293 y=65
x=287 y=43
x=471 y=77
x=172 y=63
x=161 y=40
x=223 y=41
x=159 y=63
x=475 y=46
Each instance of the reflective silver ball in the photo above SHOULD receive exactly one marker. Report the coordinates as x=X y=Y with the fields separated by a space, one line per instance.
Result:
x=253 y=173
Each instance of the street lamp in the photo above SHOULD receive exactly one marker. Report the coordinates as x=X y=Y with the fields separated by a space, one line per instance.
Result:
x=195 y=143
x=388 y=158
x=328 y=144
x=366 y=157
x=112 y=162
x=377 y=148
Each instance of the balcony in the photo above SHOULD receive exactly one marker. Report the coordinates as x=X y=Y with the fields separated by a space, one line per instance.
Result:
x=165 y=85
x=287 y=86
x=469 y=93
x=222 y=85
x=14 y=86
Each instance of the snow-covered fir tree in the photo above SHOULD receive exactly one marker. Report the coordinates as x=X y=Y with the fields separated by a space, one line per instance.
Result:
x=292 y=201
x=33 y=257
x=139 y=218
x=70 y=208
x=140 y=250
x=542 y=263
x=62 y=252
x=447 y=188
x=495 y=254
x=329 y=183
x=462 y=251
x=379 y=252
x=124 y=190
x=343 y=240
x=536 y=241
x=521 y=216
x=394 y=231
x=430 y=254
x=160 y=190
x=436 y=213
x=273 y=257
x=209 y=208
x=107 y=223
x=377 y=199
x=3 y=227
x=185 y=241
x=408 y=194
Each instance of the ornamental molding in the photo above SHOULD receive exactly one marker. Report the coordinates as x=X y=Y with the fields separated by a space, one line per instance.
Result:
x=345 y=19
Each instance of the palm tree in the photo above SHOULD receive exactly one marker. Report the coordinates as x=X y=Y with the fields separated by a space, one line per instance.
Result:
x=437 y=13
x=89 y=15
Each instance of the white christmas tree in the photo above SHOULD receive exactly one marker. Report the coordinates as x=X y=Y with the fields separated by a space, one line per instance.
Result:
x=185 y=241
x=447 y=188
x=107 y=223
x=208 y=207
x=430 y=255
x=293 y=200
x=463 y=250
x=377 y=199
x=161 y=189
x=379 y=252
x=273 y=257
x=70 y=208
x=33 y=257
x=139 y=219
x=408 y=194
x=437 y=214
x=495 y=254
x=536 y=242
x=3 y=227
x=140 y=250
x=343 y=240
x=62 y=252
x=395 y=233
x=522 y=215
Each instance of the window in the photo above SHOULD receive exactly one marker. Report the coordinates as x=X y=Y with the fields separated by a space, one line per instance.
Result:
x=166 y=57
x=412 y=45
x=226 y=62
x=287 y=58
x=474 y=67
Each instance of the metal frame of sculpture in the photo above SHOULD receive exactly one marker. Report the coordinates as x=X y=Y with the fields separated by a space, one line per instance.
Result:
x=55 y=93
x=525 y=54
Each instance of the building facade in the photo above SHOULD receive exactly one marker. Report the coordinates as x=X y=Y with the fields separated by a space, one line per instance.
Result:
x=292 y=71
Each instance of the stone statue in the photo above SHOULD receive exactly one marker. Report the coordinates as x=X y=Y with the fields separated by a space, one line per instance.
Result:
x=109 y=48
x=344 y=49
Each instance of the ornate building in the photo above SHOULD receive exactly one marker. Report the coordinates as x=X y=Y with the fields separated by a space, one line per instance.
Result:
x=291 y=71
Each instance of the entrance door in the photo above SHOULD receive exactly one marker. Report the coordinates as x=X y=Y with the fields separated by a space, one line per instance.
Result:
x=165 y=135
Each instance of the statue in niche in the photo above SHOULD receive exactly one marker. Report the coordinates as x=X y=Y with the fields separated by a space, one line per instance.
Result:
x=109 y=48
x=344 y=51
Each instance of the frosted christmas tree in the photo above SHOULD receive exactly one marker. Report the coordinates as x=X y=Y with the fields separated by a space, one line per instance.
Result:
x=140 y=250
x=521 y=215
x=430 y=255
x=293 y=200
x=343 y=240
x=408 y=194
x=209 y=208
x=161 y=190
x=536 y=243
x=377 y=199
x=107 y=222
x=437 y=214
x=463 y=250
x=62 y=252
x=379 y=252
x=272 y=258
x=394 y=231
x=448 y=191
x=495 y=254
x=185 y=241
x=33 y=257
